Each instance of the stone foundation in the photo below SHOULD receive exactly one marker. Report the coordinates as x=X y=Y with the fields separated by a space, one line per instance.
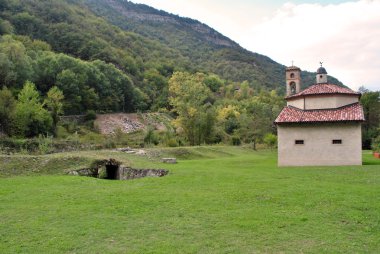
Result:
x=113 y=170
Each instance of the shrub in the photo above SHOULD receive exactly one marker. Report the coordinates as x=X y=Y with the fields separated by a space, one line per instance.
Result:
x=376 y=144
x=236 y=141
x=61 y=132
x=270 y=140
x=172 y=142
x=90 y=115
x=44 y=144
x=151 y=137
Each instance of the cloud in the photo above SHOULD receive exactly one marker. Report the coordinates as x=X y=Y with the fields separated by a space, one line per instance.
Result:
x=345 y=36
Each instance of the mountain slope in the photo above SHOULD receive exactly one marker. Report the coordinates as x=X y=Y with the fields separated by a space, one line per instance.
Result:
x=206 y=48
x=146 y=44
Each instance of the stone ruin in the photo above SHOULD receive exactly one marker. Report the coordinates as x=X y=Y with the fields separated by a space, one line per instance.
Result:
x=113 y=170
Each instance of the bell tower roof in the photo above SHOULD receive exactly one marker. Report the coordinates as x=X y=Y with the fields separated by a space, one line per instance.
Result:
x=293 y=68
x=321 y=70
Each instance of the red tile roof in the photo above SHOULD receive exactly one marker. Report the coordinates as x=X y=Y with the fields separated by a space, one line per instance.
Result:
x=323 y=89
x=292 y=68
x=352 y=112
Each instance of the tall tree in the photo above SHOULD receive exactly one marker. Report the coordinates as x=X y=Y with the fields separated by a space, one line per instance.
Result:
x=7 y=108
x=188 y=95
x=54 y=104
x=31 y=118
x=371 y=105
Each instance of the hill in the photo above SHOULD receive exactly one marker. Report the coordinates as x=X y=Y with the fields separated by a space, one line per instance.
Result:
x=139 y=39
x=109 y=56
x=207 y=49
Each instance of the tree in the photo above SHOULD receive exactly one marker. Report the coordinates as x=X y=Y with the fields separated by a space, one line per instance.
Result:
x=54 y=104
x=7 y=108
x=5 y=27
x=188 y=95
x=16 y=60
x=31 y=118
x=371 y=106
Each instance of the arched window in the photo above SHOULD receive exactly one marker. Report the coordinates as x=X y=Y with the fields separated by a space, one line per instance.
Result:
x=292 y=87
x=292 y=75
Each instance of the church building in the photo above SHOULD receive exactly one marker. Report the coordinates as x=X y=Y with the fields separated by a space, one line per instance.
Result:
x=321 y=125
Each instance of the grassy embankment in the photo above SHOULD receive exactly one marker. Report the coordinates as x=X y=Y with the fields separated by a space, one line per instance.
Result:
x=215 y=200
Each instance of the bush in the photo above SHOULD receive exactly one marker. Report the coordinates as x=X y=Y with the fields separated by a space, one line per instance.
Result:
x=151 y=137
x=376 y=144
x=44 y=144
x=236 y=141
x=61 y=132
x=172 y=142
x=90 y=115
x=270 y=140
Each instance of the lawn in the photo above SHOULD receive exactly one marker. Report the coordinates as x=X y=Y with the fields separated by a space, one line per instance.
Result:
x=215 y=200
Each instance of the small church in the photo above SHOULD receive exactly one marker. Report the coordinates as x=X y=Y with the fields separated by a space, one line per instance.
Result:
x=321 y=125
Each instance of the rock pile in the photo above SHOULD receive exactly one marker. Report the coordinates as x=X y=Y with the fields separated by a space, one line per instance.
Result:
x=110 y=123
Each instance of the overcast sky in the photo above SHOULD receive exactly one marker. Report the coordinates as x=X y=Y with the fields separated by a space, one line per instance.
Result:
x=345 y=35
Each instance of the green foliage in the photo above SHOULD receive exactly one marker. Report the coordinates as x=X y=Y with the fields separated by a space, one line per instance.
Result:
x=371 y=106
x=44 y=144
x=151 y=137
x=270 y=140
x=7 y=109
x=54 y=104
x=15 y=63
x=376 y=144
x=90 y=115
x=6 y=27
x=188 y=95
x=100 y=59
x=31 y=118
x=236 y=140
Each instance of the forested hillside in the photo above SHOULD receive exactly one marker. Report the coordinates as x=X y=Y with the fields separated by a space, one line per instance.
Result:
x=145 y=44
x=76 y=56
x=207 y=49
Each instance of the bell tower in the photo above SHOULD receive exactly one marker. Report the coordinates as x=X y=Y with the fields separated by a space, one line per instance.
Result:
x=321 y=75
x=293 y=80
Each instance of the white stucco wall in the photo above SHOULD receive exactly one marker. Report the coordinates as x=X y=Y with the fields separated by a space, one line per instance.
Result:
x=321 y=78
x=298 y=103
x=318 y=149
x=322 y=101
x=335 y=101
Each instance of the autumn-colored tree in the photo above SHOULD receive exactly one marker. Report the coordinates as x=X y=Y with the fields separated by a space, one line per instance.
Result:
x=188 y=96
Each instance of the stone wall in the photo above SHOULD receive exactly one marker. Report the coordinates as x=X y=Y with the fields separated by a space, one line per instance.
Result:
x=112 y=170
x=126 y=173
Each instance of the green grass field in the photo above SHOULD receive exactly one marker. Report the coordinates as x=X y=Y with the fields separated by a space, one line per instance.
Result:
x=215 y=200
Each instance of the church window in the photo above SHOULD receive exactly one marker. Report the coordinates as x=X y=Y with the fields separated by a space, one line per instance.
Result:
x=337 y=141
x=299 y=142
x=291 y=75
x=292 y=87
